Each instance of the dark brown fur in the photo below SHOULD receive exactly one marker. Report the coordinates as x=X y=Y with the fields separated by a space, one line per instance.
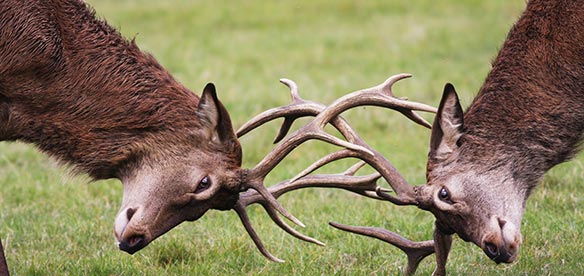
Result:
x=532 y=103
x=77 y=89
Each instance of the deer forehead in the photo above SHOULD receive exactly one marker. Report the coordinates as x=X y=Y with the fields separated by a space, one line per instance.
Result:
x=167 y=178
x=489 y=186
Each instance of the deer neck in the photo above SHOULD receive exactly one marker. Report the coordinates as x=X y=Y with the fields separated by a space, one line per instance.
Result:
x=92 y=99
x=530 y=111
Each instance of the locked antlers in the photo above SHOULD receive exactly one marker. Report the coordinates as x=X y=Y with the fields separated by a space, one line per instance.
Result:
x=352 y=146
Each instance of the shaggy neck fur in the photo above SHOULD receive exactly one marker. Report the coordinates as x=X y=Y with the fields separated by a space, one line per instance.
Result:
x=74 y=87
x=530 y=111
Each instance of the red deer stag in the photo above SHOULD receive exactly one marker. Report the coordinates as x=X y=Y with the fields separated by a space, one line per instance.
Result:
x=527 y=117
x=74 y=87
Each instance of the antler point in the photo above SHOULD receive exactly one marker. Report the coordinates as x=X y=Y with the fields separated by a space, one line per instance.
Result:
x=293 y=88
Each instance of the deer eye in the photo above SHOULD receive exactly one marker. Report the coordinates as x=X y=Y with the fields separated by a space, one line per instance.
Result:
x=204 y=184
x=444 y=195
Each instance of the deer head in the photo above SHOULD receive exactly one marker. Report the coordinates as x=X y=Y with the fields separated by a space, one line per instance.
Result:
x=487 y=215
x=163 y=190
x=457 y=192
x=195 y=174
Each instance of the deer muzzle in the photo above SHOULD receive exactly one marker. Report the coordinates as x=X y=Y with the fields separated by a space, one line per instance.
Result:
x=129 y=239
x=502 y=244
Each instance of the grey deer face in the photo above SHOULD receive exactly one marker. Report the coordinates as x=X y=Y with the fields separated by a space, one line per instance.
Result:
x=201 y=173
x=468 y=196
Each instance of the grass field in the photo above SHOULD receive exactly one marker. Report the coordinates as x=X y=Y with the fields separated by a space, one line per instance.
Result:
x=53 y=223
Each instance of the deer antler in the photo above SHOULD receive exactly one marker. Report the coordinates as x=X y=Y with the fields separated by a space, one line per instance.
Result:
x=364 y=185
x=353 y=147
x=416 y=251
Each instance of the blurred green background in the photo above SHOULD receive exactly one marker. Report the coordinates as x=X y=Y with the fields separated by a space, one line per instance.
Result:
x=53 y=223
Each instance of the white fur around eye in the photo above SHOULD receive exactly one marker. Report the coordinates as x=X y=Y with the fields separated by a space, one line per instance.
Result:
x=203 y=185
x=207 y=192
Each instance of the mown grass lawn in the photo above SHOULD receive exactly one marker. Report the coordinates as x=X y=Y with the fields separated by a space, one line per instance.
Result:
x=53 y=223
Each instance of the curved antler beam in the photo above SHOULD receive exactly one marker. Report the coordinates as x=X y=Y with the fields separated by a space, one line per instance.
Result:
x=416 y=251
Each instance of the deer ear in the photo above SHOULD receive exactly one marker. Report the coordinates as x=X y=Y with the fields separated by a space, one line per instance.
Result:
x=447 y=127
x=213 y=116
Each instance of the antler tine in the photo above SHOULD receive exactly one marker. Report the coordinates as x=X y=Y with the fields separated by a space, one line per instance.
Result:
x=353 y=169
x=293 y=89
x=388 y=84
x=242 y=213
x=297 y=109
x=416 y=118
x=282 y=224
x=416 y=251
x=387 y=89
x=290 y=112
x=271 y=202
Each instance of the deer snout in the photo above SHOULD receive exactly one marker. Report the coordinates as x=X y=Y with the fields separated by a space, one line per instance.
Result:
x=502 y=244
x=130 y=239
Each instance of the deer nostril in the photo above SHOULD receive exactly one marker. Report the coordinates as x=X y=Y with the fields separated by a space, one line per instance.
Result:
x=135 y=240
x=502 y=223
x=130 y=213
x=492 y=250
x=132 y=244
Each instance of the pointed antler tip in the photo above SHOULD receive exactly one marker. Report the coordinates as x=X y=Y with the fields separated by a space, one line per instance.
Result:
x=290 y=83
x=278 y=260
x=293 y=88
x=386 y=86
x=395 y=78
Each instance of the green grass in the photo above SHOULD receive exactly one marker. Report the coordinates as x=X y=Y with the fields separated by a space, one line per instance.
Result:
x=52 y=223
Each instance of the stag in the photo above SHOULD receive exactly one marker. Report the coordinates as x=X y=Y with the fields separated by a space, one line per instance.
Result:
x=484 y=163
x=76 y=89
